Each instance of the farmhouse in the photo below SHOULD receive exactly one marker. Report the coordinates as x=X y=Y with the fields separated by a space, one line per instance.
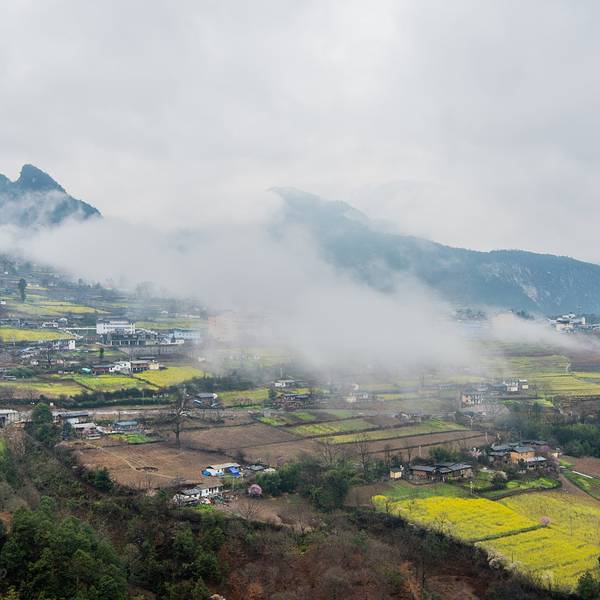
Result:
x=84 y=429
x=196 y=494
x=223 y=469
x=8 y=416
x=126 y=425
x=187 y=335
x=441 y=471
x=396 y=473
x=514 y=453
x=285 y=383
x=451 y=471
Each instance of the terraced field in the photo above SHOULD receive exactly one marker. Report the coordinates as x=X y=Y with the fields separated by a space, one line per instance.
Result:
x=169 y=376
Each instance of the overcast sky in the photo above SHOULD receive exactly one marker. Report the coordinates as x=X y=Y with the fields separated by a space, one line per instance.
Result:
x=472 y=123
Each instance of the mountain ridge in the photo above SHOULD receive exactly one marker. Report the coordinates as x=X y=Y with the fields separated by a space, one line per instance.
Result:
x=519 y=279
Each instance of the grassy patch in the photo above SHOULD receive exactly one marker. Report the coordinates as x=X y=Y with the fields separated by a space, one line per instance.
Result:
x=402 y=490
x=133 y=438
x=513 y=486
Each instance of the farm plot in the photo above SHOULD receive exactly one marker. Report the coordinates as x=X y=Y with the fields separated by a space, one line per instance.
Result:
x=469 y=519
x=169 y=376
x=35 y=388
x=402 y=490
x=149 y=466
x=281 y=419
x=577 y=517
x=244 y=397
x=279 y=453
x=20 y=334
x=419 y=445
x=557 y=560
x=332 y=427
x=590 y=485
x=431 y=426
x=231 y=439
x=110 y=383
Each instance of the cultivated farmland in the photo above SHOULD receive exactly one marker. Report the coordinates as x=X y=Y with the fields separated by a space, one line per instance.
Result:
x=431 y=426
x=169 y=376
x=19 y=334
x=331 y=427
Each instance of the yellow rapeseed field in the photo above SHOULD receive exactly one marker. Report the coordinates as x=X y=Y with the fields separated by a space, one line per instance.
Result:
x=466 y=518
x=548 y=555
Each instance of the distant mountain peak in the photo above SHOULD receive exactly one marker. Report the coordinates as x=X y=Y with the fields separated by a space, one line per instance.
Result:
x=35 y=199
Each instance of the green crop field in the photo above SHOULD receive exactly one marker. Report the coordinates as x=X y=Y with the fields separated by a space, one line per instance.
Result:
x=36 y=388
x=590 y=485
x=110 y=383
x=402 y=490
x=133 y=438
x=331 y=427
x=432 y=426
x=170 y=376
x=17 y=334
x=38 y=306
x=237 y=397
x=291 y=418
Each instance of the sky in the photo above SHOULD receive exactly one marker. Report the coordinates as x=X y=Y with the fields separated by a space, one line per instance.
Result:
x=471 y=123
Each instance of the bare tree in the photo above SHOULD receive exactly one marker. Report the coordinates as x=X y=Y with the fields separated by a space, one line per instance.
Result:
x=176 y=414
x=329 y=452
x=248 y=508
x=361 y=449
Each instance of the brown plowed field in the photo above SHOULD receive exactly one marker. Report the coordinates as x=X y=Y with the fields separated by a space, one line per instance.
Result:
x=229 y=439
x=147 y=466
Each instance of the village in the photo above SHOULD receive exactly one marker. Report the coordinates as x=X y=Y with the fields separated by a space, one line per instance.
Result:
x=163 y=397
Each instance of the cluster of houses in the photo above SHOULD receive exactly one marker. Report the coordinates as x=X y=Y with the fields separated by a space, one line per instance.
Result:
x=125 y=367
x=488 y=393
x=572 y=323
x=82 y=426
x=213 y=489
x=527 y=456
x=123 y=332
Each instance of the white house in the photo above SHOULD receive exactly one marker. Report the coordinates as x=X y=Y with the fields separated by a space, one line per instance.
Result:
x=122 y=326
x=198 y=493
x=285 y=383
